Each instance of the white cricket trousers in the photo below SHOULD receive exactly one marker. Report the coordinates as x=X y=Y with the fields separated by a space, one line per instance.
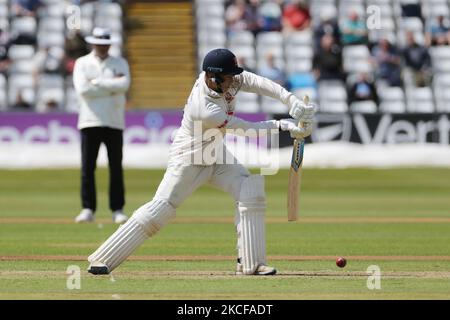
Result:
x=180 y=181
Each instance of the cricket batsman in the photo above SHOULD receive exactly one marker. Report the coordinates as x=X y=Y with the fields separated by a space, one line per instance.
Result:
x=211 y=103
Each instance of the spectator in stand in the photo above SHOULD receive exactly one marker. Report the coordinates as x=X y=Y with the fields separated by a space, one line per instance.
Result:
x=418 y=60
x=387 y=63
x=327 y=61
x=354 y=30
x=363 y=89
x=20 y=104
x=328 y=25
x=235 y=16
x=438 y=33
x=4 y=46
x=270 y=16
x=272 y=72
x=25 y=7
x=253 y=20
x=296 y=16
x=74 y=47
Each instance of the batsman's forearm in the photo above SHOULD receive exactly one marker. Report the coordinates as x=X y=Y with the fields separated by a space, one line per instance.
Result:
x=241 y=127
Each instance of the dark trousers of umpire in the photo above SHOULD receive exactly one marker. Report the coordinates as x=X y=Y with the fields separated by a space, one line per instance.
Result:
x=91 y=139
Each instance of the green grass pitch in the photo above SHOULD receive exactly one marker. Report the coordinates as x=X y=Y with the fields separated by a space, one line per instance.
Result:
x=396 y=219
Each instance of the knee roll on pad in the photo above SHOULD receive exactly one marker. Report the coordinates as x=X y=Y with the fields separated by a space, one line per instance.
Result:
x=252 y=190
x=154 y=215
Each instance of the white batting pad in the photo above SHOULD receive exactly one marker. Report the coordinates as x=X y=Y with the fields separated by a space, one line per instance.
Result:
x=154 y=215
x=144 y=223
x=252 y=207
x=120 y=245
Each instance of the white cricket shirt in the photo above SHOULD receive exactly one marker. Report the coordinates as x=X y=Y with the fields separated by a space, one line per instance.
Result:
x=216 y=111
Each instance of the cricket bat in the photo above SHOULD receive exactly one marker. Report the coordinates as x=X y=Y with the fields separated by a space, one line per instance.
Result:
x=295 y=175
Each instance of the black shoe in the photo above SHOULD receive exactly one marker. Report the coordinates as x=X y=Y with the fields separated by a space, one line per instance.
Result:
x=98 y=268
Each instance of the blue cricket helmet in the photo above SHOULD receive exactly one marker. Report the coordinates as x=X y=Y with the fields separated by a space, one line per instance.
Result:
x=221 y=61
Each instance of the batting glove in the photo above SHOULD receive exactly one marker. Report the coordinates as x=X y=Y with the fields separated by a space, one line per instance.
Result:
x=302 y=112
x=295 y=131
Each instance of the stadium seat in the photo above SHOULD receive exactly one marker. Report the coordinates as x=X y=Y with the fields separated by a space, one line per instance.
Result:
x=49 y=94
x=4 y=11
x=3 y=97
x=3 y=100
x=269 y=39
x=363 y=107
x=21 y=83
x=392 y=99
x=299 y=52
x=298 y=66
x=411 y=24
x=87 y=10
x=115 y=25
x=241 y=38
x=217 y=40
x=52 y=24
x=24 y=25
x=392 y=107
x=420 y=100
x=111 y=10
x=211 y=25
x=435 y=9
x=47 y=81
x=356 y=59
x=299 y=38
x=21 y=52
x=270 y=43
x=2 y=81
x=55 y=9
x=87 y=25
x=332 y=96
x=4 y=23
x=21 y=66
x=50 y=39
x=210 y=10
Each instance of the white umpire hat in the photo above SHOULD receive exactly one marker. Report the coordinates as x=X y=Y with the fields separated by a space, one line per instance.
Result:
x=101 y=37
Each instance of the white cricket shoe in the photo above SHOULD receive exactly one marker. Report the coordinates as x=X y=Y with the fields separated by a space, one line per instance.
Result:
x=119 y=217
x=261 y=270
x=85 y=216
x=96 y=267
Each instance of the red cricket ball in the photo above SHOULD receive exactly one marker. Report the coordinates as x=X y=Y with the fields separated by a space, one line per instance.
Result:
x=341 y=262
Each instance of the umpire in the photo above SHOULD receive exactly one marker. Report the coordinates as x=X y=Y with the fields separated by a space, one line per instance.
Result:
x=101 y=82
